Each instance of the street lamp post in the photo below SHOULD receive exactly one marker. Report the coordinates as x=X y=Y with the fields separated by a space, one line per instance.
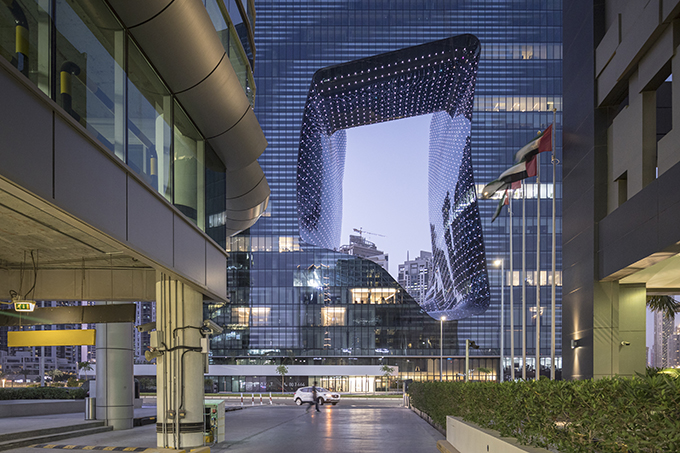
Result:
x=468 y=344
x=501 y=262
x=441 y=347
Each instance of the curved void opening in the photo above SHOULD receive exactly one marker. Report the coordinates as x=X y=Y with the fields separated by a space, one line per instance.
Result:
x=437 y=78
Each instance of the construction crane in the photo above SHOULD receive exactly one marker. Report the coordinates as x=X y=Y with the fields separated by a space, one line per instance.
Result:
x=362 y=232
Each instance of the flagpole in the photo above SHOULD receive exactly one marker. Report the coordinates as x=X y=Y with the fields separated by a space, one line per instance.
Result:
x=512 y=290
x=538 y=267
x=524 y=283
x=552 y=302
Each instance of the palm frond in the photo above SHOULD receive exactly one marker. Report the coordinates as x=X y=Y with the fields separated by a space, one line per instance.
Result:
x=665 y=305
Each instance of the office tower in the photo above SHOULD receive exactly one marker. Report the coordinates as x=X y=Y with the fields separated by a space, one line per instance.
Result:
x=277 y=277
x=414 y=275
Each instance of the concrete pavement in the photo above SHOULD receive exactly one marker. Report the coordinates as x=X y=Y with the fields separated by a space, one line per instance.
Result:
x=359 y=425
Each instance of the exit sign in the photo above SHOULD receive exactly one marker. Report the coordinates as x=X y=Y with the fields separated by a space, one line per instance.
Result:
x=24 y=305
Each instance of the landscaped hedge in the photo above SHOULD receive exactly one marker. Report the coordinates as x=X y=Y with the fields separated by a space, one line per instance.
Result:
x=42 y=393
x=607 y=415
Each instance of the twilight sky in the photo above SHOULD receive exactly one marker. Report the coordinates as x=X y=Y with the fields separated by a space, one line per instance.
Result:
x=385 y=187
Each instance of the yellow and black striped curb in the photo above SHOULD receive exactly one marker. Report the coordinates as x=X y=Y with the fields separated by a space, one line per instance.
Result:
x=92 y=447
x=133 y=449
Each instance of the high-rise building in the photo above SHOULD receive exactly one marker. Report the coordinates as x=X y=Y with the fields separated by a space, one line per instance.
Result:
x=622 y=163
x=414 y=275
x=363 y=248
x=674 y=348
x=664 y=328
x=283 y=291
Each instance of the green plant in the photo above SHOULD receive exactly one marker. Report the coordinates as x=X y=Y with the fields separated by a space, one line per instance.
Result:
x=608 y=415
x=283 y=371
x=663 y=304
x=41 y=393
x=387 y=374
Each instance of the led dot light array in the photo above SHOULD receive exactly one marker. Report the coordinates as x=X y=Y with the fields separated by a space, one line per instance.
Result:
x=437 y=77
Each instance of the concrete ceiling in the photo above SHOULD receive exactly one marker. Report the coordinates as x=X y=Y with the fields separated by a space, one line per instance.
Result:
x=35 y=233
x=662 y=278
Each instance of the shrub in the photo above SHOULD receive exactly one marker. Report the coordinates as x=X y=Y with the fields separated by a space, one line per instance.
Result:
x=42 y=393
x=608 y=415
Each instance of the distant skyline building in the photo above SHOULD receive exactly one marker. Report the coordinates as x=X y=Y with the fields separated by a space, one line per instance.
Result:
x=414 y=275
x=664 y=328
x=674 y=348
x=363 y=248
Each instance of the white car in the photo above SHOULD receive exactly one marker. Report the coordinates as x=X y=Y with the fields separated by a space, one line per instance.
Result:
x=304 y=395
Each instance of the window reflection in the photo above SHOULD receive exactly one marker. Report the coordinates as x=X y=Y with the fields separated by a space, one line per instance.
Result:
x=189 y=169
x=149 y=119
x=89 y=60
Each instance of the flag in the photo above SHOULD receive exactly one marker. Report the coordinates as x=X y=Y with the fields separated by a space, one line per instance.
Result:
x=515 y=173
x=542 y=143
x=502 y=202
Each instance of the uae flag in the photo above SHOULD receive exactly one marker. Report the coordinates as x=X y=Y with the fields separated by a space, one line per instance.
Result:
x=515 y=173
x=502 y=202
x=540 y=144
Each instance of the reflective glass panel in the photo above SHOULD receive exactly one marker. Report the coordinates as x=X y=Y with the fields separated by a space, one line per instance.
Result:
x=89 y=63
x=149 y=119
x=189 y=169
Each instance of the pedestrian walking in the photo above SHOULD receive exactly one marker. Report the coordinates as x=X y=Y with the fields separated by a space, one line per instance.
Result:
x=316 y=399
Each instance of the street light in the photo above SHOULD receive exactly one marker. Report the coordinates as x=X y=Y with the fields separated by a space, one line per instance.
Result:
x=496 y=263
x=441 y=347
x=468 y=344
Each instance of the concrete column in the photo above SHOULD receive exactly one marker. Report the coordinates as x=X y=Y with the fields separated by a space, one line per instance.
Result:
x=115 y=380
x=619 y=329
x=632 y=340
x=179 y=370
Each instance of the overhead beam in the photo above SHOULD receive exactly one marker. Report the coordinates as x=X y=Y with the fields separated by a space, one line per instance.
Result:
x=28 y=338
x=124 y=285
x=69 y=315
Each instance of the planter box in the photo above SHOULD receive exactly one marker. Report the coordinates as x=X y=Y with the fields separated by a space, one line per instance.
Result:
x=469 y=438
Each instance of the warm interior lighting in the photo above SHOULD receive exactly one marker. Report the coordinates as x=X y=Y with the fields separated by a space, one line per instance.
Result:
x=373 y=295
x=333 y=316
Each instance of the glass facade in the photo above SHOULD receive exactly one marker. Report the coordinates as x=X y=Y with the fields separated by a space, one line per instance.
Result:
x=289 y=284
x=81 y=56
x=434 y=77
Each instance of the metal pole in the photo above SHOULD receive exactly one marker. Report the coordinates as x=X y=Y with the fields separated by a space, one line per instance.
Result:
x=502 y=315
x=524 y=283
x=441 y=348
x=538 y=268
x=552 y=302
x=467 y=359
x=512 y=307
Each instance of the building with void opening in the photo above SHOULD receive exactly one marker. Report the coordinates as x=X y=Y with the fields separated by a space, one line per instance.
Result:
x=321 y=313
x=128 y=154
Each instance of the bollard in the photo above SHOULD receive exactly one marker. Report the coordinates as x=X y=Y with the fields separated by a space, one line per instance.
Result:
x=270 y=399
x=241 y=399
x=252 y=401
x=260 y=399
